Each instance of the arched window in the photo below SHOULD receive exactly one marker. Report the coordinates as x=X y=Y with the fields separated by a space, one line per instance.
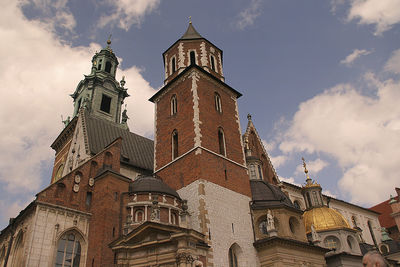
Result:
x=108 y=160
x=174 y=144
x=59 y=172
x=293 y=224
x=371 y=231
x=192 y=58
x=218 y=105
x=351 y=242
x=296 y=203
x=68 y=251
x=99 y=66
x=173 y=65
x=253 y=174
x=234 y=250
x=212 y=63
x=174 y=105
x=139 y=216
x=308 y=199
x=221 y=142
x=174 y=219
x=332 y=242
x=263 y=227
x=315 y=197
x=108 y=67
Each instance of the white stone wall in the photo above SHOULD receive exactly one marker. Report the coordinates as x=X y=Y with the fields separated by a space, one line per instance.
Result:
x=128 y=171
x=223 y=208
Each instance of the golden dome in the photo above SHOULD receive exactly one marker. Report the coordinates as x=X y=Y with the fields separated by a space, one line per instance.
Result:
x=324 y=218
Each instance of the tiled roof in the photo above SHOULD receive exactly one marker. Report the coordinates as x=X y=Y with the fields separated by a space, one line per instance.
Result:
x=136 y=150
x=385 y=210
x=191 y=33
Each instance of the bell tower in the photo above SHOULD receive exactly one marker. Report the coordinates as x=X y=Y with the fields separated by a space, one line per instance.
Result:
x=100 y=93
x=198 y=148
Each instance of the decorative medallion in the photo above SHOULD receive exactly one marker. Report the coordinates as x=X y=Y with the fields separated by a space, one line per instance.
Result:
x=76 y=188
x=77 y=178
x=91 y=181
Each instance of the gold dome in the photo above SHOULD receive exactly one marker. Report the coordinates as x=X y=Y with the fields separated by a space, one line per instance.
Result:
x=324 y=218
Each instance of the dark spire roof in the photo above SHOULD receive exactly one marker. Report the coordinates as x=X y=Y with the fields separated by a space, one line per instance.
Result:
x=191 y=33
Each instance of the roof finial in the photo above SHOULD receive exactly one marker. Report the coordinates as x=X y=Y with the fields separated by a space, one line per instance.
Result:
x=249 y=117
x=190 y=19
x=308 y=180
x=109 y=41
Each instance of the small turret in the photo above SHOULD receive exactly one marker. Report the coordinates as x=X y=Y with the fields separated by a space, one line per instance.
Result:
x=311 y=191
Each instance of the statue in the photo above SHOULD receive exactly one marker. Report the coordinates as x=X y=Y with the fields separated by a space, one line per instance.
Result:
x=124 y=116
x=314 y=235
x=270 y=221
x=65 y=122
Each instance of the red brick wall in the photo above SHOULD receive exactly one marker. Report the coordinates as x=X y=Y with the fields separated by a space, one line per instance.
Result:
x=105 y=207
x=182 y=121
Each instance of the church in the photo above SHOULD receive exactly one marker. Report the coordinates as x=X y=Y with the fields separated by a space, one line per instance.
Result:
x=202 y=193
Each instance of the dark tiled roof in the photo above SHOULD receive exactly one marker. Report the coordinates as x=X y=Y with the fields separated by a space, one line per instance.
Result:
x=136 y=150
x=268 y=195
x=191 y=33
x=145 y=184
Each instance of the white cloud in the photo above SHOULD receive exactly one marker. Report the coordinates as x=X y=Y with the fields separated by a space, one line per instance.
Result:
x=313 y=167
x=393 y=64
x=38 y=71
x=278 y=160
x=354 y=55
x=53 y=13
x=381 y=13
x=125 y=13
x=248 y=16
x=361 y=132
x=289 y=180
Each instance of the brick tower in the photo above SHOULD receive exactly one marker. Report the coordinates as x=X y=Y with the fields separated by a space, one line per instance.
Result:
x=199 y=150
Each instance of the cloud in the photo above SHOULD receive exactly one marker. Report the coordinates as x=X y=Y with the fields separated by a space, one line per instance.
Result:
x=278 y=160
x=313 y=167
x=248 y=16
x=328 y=193
x=125 y=13
x=393 y=64
x=354 y=55
x=360 y=131
x=54 y=14
x=38 y=71
x=289 y=180
x=382 y=14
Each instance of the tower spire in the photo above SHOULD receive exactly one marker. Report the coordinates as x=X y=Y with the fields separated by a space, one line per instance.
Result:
x=308 y=179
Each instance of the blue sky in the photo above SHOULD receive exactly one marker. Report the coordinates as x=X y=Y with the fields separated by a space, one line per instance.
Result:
x=320 y=78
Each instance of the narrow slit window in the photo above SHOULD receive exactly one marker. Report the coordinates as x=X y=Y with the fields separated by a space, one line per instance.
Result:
x=174 y=105
x=192 y=58
x=89 y=196
x=212 y=63
x=99 y=66
x=174 y=144
x=173 y=65
x=218 y=105
x=105 y=103
x=221 y=142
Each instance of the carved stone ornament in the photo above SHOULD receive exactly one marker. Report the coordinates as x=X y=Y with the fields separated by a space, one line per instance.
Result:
x=91 y=181
x=76 y=188
x=184 y=258
x=77 y=178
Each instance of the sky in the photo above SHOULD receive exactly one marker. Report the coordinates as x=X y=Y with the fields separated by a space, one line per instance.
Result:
x=320 y=79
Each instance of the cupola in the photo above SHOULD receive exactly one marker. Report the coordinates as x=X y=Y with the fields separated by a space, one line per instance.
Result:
x=312 y=191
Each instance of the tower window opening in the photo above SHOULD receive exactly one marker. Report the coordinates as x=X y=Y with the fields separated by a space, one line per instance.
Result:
x=192 y=58
x=260 y=176
x=99 y=66
x=108 y=67
x=174 y=105
x=316 y=200
x=89 y=196
x=218 y=105
x=212 y=63
x=253 y=174
x=174 y=144
x=308 y=199
x=221 y=142
x=105 y=103
x=173 y=65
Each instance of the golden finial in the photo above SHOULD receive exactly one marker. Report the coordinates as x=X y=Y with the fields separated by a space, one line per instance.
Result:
x=305 y=170
x=190 y=19
x=109 y=40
